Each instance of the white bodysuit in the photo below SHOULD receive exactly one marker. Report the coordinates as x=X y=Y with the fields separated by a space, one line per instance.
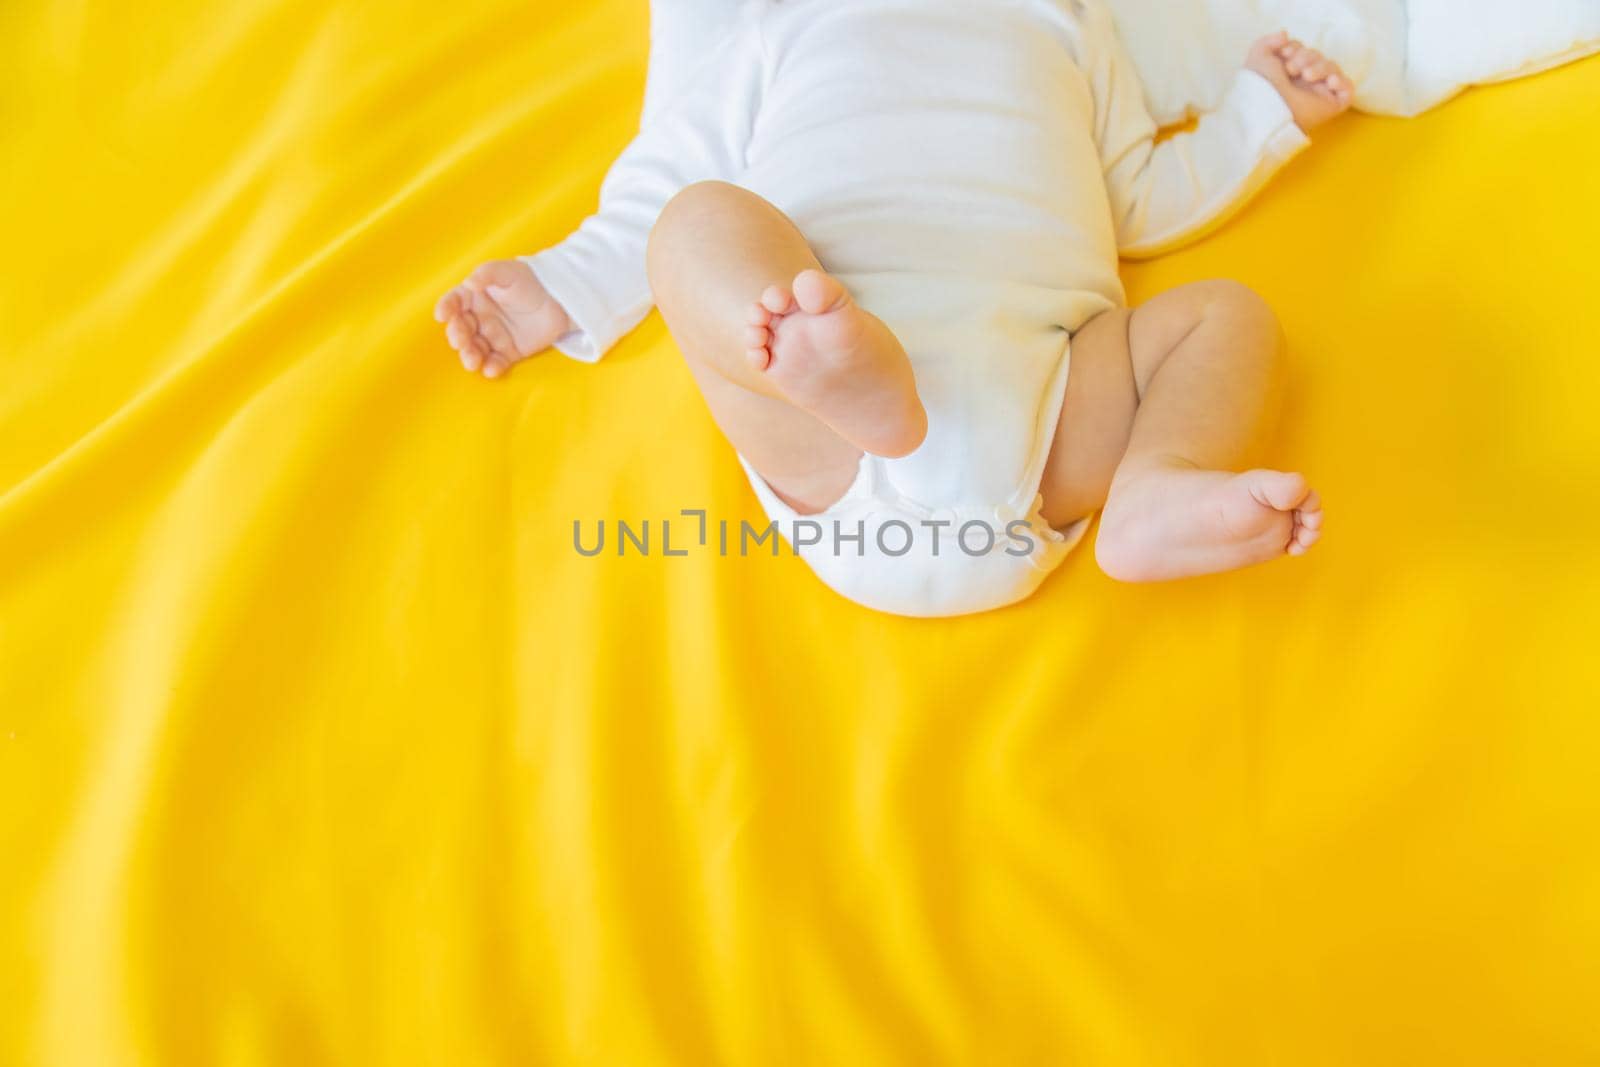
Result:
x=970 y=170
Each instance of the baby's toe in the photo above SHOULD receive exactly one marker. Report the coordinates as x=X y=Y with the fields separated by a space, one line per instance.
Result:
x=757 y=337
x=776 y=300
x=816 y=291
x=1279 y=490
x=1302 y=539
x=758 y=315
x=759 y=358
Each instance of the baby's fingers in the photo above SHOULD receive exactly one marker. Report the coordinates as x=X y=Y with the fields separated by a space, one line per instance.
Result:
x=462 y=333
x=499 y=338
x=495 y=365
x=499 y=272
x=491 y=325
x=1317 y=70
x=448 y=307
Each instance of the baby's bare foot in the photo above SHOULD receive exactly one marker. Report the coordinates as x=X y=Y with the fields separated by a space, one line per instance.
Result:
x=1173 y=520
x=830 y=357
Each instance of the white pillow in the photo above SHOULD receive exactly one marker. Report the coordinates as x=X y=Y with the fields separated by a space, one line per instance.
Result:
x=1404 y=57
x=1457 y=43
x=1188 y=50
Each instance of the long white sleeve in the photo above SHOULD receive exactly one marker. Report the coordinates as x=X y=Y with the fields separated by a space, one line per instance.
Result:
x=682 y=33
x=1164 y=195
x=698 y=131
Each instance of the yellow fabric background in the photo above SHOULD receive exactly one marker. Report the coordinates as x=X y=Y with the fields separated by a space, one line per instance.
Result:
x=319 y=744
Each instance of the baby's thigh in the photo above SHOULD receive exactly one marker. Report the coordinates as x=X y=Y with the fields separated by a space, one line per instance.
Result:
x=1096 y=420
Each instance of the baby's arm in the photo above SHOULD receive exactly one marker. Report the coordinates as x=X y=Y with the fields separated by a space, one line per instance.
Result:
x=1166 y=194
x=584 y=293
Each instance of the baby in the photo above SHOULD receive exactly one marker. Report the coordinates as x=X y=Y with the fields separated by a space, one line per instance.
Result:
x=885 y=235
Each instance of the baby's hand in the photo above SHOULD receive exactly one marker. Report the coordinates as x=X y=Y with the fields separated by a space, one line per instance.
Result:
x=499 y=315
x=1313 y=86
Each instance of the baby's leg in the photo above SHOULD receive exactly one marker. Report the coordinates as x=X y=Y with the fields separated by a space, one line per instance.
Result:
x=1163 y=404
x=798 y=377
